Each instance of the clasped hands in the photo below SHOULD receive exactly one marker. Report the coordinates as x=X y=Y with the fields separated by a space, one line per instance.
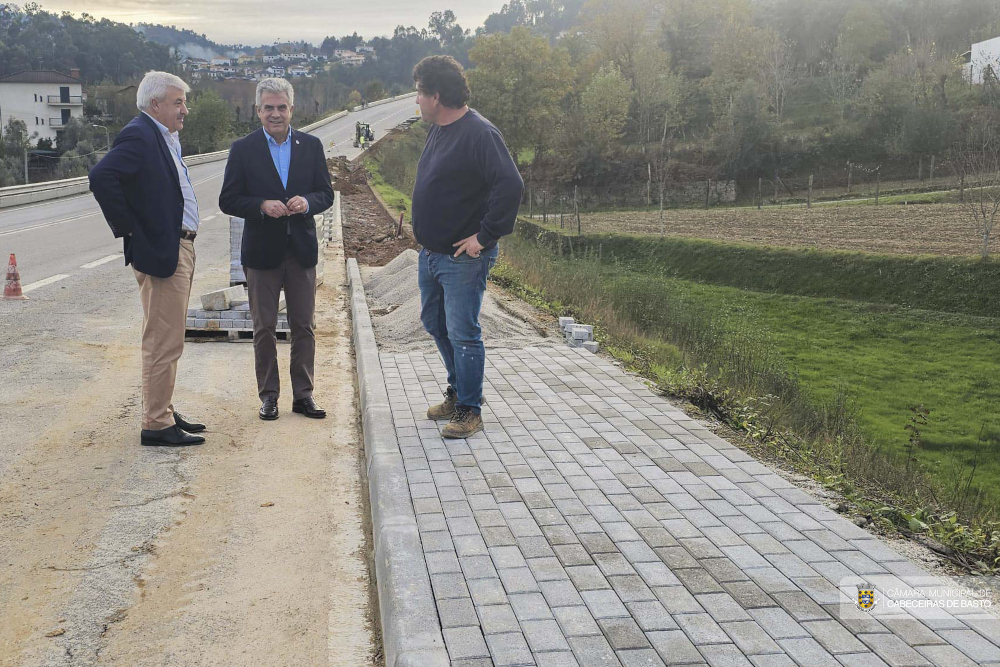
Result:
x=275 y=208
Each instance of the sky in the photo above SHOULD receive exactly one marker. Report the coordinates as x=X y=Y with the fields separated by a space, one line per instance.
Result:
x=264 y=21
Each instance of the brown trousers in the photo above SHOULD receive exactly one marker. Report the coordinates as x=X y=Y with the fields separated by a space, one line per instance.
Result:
x=264 y=290
x=164 y=314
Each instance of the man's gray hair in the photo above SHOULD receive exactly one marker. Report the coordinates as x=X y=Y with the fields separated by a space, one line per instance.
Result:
x=154 y=87
x=275 y=85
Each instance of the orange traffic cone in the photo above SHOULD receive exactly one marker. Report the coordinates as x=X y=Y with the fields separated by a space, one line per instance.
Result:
x=12 y=286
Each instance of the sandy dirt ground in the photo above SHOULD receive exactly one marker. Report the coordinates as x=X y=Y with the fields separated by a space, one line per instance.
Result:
x=249 y=550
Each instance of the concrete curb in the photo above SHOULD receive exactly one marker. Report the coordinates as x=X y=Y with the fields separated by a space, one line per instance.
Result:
x=411 y=629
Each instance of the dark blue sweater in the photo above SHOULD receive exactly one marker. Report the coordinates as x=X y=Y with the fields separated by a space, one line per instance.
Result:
x=466 y=184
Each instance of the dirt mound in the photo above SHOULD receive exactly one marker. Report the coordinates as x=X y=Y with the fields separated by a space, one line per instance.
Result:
x=394 y=301
x=347 y=177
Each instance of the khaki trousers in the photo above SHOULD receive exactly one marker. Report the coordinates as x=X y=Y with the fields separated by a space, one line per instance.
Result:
x=264 y=291
x=164 y=314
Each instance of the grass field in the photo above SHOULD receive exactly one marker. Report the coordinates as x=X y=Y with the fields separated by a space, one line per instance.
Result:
x=941 y=229
x=887 y=358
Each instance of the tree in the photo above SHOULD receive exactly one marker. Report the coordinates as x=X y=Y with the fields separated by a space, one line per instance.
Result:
x=841 y=81
x=604 y=115
x=209 y=125
x=777 y=71
x=13 y=149
x=618 y=29
x=518 y=83
x=981 y=158
x=445 y=26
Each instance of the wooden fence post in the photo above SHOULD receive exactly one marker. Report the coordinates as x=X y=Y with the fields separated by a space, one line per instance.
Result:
x=562 y=206
x=850 y=173
x=920 y=169
x=932 y=169
x=708 y=191
x=760 y=192
x=576 y=205
x=878 y=184
x=545 y=210
x=809 y=197
x=661 y=208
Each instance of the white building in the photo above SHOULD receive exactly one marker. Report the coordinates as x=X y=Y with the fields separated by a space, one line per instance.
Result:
x=298 y=56
x=298 y=72
x=366 y=49
x=221 y=61
x=272 y=59
x=275 y=70
x=353 y=60
x=983 y=56
x=341 y=53
x=44 y=99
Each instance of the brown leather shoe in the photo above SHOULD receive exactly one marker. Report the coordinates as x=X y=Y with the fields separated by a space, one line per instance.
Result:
x=463 y=423
x=444 y=410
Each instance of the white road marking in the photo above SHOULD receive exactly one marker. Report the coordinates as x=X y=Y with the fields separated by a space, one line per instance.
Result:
x=103 y=260
x=49 y=224
x=42 y=283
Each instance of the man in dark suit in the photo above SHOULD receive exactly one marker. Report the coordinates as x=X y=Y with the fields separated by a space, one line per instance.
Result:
x=276 y=180
x=143 y=188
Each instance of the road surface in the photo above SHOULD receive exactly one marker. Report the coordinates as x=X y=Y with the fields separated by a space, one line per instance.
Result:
x=251 y=549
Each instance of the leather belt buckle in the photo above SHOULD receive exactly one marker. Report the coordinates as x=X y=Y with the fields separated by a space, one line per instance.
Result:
x=188 y=235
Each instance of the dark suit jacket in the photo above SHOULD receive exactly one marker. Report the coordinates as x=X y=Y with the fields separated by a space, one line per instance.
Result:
x=251 y=178
x=137 y=187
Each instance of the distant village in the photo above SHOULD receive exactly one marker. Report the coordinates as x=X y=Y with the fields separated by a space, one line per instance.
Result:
x=261 y=65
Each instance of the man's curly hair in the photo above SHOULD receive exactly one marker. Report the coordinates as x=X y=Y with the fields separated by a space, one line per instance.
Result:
x=442 y=75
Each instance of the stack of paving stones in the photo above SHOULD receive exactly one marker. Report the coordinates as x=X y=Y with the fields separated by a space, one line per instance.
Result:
x=324 y=230
x=578 y=335
x=592 y=523
x=229 y=310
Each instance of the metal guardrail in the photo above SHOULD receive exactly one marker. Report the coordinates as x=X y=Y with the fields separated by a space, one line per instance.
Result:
x=386 y=101
x=18 y=195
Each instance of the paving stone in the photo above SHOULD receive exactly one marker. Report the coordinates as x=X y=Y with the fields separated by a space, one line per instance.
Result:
x=456 y=613
x=895 y=651
x=497 y=619
x=596 y=543
x=507 y=557
x=449 y=585
x=593 y=651
x=946 y=655
x=777 y=623
x=722 y=607
x=861 y=660
x=701 y=628
x=465 y=643
x=779 y=660
x=604 y=604
x=487 y=591
x=478 y=567
x=587 y=577
x=750 y=637
x=631 y=588
x=698 y=580
x=677 y=599
x=724 y=655
x=674 y=647
x=643 y=657
x=651 y=616
x=572 y=554
x=623 y=633
x=509 y=649
x=529 y=606
x=576 y=621
x=518 y=580
x=970 y=643
x=544 y=636
x=560 y=593
x=556 y=659
x=834 y=637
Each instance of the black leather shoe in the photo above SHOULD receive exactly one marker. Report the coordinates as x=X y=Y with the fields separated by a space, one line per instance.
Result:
x=173 y=436
x=190 y=427
x=269 y=408
x=308 y=407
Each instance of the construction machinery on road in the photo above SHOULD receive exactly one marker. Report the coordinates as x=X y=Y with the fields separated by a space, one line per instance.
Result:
x=363 y=135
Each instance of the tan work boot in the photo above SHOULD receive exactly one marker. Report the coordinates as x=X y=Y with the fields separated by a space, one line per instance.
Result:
x=463 y=423
x=444 y=410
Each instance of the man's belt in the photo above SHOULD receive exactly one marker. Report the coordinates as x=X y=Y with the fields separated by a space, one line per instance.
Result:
x=188 y=235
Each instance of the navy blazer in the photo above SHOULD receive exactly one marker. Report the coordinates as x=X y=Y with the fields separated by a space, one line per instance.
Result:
x=137 y=187
x=251 y=178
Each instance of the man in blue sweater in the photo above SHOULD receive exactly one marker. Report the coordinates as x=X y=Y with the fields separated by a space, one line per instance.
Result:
x=465 y=198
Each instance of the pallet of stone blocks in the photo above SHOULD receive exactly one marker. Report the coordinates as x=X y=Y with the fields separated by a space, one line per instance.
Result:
x=225 y=315
x=237 y=277
x=578 y=335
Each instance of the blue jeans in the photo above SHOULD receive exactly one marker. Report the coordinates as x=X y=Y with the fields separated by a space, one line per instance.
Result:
x=451 y=295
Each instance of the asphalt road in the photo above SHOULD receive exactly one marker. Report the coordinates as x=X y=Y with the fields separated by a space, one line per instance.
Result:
x=57 y=240
x=247 y=550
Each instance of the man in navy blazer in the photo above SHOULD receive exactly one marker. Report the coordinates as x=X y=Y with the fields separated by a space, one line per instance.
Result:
x=276 y=180
x=147 y=197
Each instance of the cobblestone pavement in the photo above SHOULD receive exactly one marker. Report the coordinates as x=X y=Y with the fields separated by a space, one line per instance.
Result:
x=593 y=523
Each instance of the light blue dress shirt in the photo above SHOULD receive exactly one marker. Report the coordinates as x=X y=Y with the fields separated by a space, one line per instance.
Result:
x=191 y=218
x=281 y=155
